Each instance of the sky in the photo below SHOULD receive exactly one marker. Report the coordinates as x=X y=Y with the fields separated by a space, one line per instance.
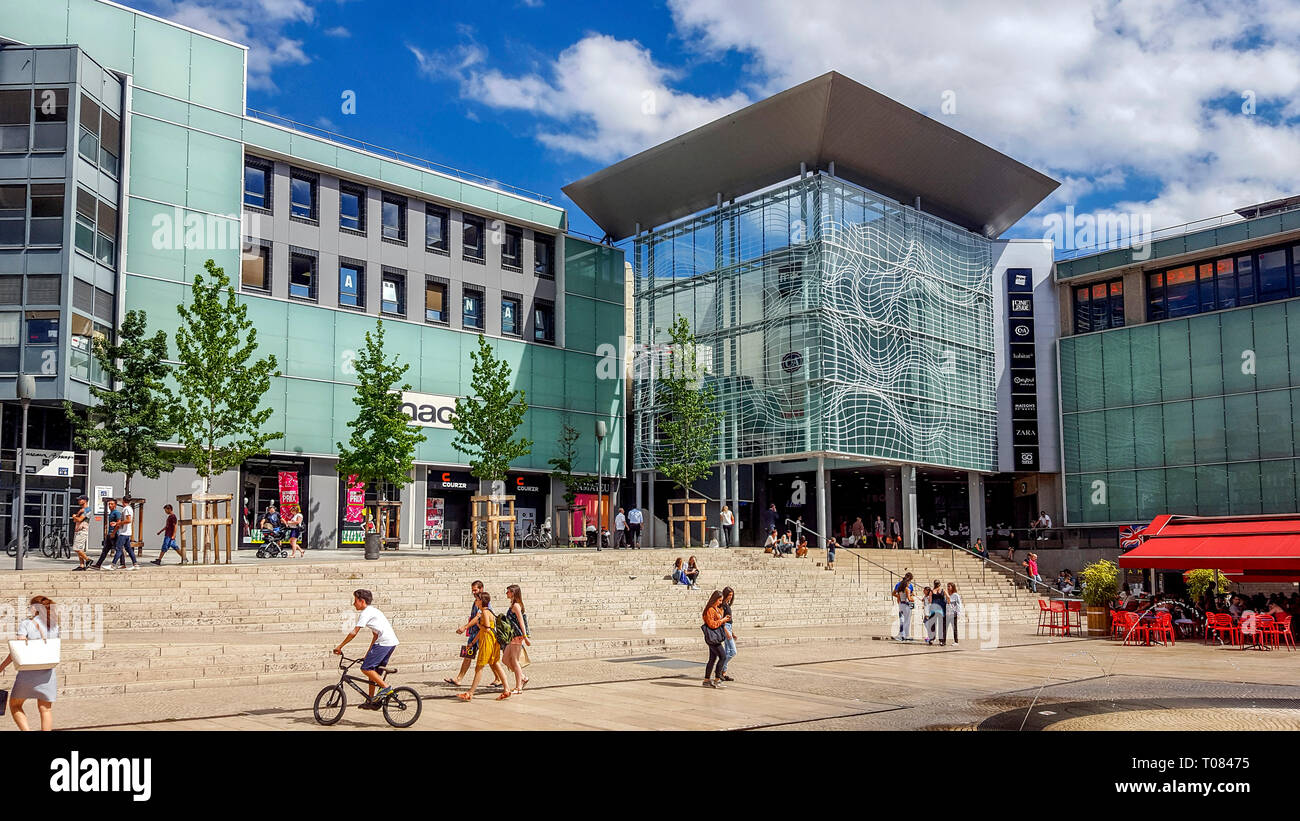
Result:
x=1168 y=111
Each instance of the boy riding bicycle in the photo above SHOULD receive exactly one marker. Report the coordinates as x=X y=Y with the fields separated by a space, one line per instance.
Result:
x=382 y=644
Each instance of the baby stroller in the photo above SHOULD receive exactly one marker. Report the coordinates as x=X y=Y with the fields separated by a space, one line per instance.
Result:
x=271 y=544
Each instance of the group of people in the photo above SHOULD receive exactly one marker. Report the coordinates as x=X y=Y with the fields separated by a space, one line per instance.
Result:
x=627 y=531
x=119 y=528
x=686 y=575
x=882 y=533
x=942 y=607
x=493 y=640
x=290 y=526
x=719 y=636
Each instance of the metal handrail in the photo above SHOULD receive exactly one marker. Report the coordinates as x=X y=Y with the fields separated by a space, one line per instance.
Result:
x=852 y=553
x=953 y=546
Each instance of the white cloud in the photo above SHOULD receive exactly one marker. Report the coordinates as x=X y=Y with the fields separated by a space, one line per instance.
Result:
x=338 y=31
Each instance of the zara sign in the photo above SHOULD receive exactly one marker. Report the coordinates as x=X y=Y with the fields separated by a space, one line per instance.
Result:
x=429 y=410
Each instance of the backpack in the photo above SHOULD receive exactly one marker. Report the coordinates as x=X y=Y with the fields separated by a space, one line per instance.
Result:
x=504 y=629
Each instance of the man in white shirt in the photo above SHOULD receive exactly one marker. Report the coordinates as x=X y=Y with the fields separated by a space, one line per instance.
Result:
x=124 y=536
x=634 y=524
x=382 y=644
x=620 y=529
x=727 y=519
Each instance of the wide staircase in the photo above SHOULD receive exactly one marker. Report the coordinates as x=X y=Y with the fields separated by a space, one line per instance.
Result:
x=208 y=626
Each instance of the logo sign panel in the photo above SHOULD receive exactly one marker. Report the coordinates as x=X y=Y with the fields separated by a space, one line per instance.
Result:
x=429 y=410
x=1023 y=363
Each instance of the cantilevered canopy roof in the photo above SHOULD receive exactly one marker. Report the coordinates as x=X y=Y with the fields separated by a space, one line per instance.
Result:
x=1253 y=548
x=873 y=141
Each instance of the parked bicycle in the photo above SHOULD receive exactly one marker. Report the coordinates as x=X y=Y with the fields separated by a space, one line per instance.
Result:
x=538 y=538
x=12 y=547
x=54 y=544
x=401 y=706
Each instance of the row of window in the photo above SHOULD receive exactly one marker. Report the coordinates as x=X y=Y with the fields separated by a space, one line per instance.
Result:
x=303 y=280
x=1099 y=306
x=1227 y=282
x=304 y=205
x=32 y=215
x=36 y=119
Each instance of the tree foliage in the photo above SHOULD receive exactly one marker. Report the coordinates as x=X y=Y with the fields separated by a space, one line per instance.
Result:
x=220 y=382
x=687 y=418
x=566 y=453
x=487 y=419
x=381 y=448
x=130 y=417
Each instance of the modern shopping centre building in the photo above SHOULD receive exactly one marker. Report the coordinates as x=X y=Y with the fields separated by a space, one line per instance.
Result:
x=128 y=158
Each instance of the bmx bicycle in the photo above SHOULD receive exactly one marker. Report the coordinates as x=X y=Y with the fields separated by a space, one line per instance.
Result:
x=401 y=707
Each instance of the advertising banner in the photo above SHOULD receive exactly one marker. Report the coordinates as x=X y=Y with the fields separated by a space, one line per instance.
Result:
x=289 y=501
x=434 y=519
x=352 y=531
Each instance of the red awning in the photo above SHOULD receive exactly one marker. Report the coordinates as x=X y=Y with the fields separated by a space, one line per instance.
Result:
x=1243 y=547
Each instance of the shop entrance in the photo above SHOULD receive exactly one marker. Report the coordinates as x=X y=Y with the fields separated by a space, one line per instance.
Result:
x=264 y=486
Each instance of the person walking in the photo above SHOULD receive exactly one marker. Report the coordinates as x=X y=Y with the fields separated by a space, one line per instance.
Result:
x=43 y=685
x=831 y=544
x=859 y=532
x=81 y=533
x=895 y=534
x=728 y=646
x=715 y=637
x=938 y=610
x=488 y=651
x=726 y=518
x=770 y=518
x=470 y=631
x=168 y=532
x=111 y=517
x=1030 y=564
x=953 y=612
x=634 y=518
x=515 y=655
x=620 y=529
x=903 y=595
x=124 y=533
x=294 y=524
x=878 y=531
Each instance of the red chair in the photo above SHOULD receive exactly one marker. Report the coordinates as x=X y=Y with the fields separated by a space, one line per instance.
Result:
x=1076 y=608
x=1131 y=627
x=1265 y=634
x=1059 y=618
x=1044 y=616
x=1117 y=624
x=1219 y=623
x=1162 y=628
x=1281 y=632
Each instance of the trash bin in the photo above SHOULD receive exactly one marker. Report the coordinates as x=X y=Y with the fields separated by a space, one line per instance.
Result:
x=372 y=545
x=713 y=537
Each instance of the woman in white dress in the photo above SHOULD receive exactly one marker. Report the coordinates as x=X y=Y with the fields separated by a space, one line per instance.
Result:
x=42 y=685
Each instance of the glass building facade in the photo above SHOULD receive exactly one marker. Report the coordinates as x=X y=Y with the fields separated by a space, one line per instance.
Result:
x=830 y=320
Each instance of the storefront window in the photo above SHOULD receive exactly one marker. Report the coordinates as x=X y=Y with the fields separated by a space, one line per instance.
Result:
x=274 y=481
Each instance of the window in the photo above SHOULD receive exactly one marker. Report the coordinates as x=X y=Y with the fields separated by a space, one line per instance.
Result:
x=473 y=238
x=393 y=292
x=435 y=229
x=10 y=328
x=352 y=207
x=42 y=327
x=302 y=195
x=81 y=361
x=255 y=268
x=1155 y=297
x=106 y=235
x=12 y=214
x=1226 y=280
x=544 y=256
x=88 y=139
x=257 y=184
x=1180 y=292
x=394 y=218
x=302 y=276
x=50 y=113
x=47 y=214
x=15 y=108
x=435 y=301
x=544 y=322
x=1099 y=306
x=110 y=140
x=352 y=283
x=510 y=316
x=472 y=308
x=512 y=249
x=1205 y=283
x=1245 y=280
x=1295 y=268
x=84 y=231
x=1274 y=278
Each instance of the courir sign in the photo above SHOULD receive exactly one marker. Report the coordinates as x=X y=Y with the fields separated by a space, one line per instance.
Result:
x=428 y=410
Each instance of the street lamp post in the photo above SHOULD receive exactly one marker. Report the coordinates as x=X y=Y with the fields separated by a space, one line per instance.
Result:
x=600 y=437
x=26 y=387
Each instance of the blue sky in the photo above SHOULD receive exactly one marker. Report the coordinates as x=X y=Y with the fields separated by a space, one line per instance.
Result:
x=1172 y=110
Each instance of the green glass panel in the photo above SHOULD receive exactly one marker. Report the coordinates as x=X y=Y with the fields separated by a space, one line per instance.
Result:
x=1295 y=416
x=1208 y=426
x=1178 y=433
x=1238 y=349
x=1207 y=360
x=1121 y=496
x=1096 y=497
x=217 y=122
x=1070 y=442
x=1144 y=345
x=355 y=162
x=1148 y=436
x=1277 y=486
x=274 y=398
x=579 y=324
x=215 y=179
x=1073 y=498
x=158 y=300
x=162 y=57
x=1212 y=490
x=1118 y=387
x=438 y=186
x=1069 y=399
x=258 y=133
x=158 y=166
x=610 y=327
x=579 y=372
x=1272 y=368
x=1120 y=445
x=1175 y=361
x=310 y=344
x=220 y=244
x=147 y=103
x=217 y=75
x=1242 y=427
x=1293 y=332
x=107 y=33
x=548 y=376
x=1093 y=450
x=404 y=175
x=473 y=196
x=308 y=426
x=1088 y=373
x=1180 y=490
x=1150 y=494
x=1243 y=488
x=310 y=148
x=151 y=246
x=40 y=23
x=1275 y=438
x=271 y=319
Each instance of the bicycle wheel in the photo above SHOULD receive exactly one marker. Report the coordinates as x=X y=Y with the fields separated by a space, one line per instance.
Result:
x=50 y=547
x=402 y=707
x=330 y=704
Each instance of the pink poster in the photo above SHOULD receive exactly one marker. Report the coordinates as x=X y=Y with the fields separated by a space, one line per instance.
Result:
x=288 y=492
x=356 y=501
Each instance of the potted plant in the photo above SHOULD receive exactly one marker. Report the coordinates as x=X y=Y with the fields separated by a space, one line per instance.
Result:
x=1202 y=579
x=1100 y=587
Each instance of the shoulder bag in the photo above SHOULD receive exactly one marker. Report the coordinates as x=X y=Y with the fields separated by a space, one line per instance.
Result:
x=29 y=655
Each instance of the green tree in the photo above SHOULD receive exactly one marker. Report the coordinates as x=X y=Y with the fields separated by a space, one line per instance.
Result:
x=566 y=452
x=687 y=418
x=131 y=416
x=487 y=419
x=221 y=385
x=381 y=448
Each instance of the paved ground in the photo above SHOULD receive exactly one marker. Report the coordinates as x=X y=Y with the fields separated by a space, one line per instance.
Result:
x=1027 y=681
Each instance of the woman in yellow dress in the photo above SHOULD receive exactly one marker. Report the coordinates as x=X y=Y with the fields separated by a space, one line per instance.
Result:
x=489 y=652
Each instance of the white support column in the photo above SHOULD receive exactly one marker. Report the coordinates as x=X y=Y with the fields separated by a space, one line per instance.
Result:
x=908 y=482
x=975 y=494
x=722 y=498
x=823 y=504
x=735 y=505
x=648 y=537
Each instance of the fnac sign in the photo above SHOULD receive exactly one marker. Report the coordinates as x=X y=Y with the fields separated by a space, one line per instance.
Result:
x=429 y=410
